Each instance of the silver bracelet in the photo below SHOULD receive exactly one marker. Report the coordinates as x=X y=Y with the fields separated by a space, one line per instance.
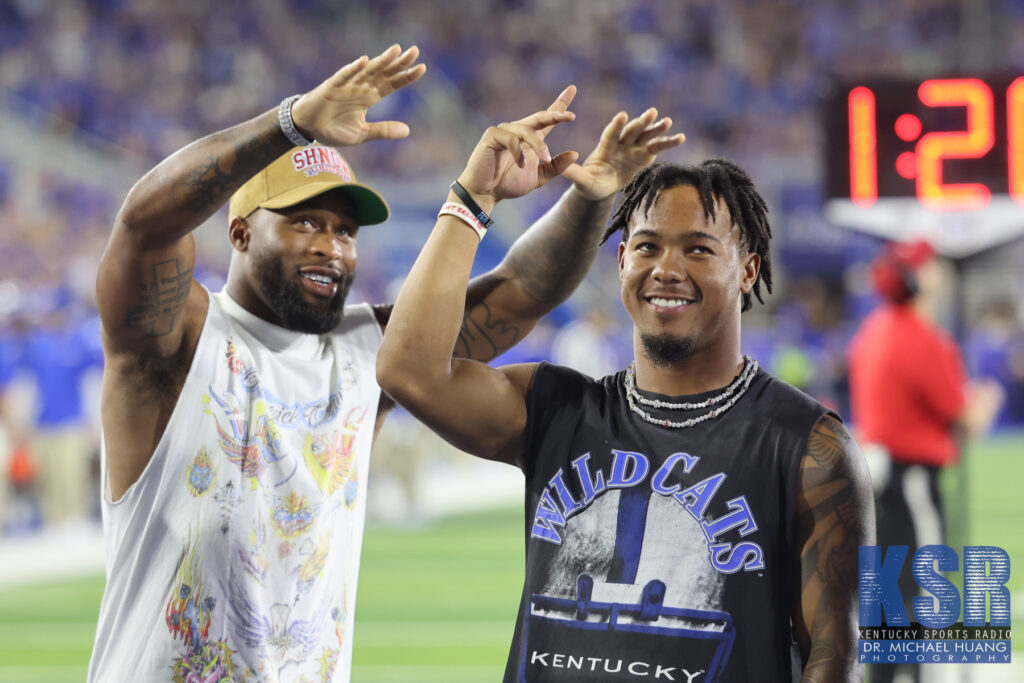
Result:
x=284 y=119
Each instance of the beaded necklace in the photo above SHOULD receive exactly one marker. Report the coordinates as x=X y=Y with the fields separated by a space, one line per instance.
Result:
x=727 y=398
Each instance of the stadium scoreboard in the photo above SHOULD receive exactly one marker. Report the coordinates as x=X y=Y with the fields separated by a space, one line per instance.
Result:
x=939 y=158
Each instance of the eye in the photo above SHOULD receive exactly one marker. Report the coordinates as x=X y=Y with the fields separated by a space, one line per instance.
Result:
x=346 y=231
x=305 y=223
x=701 y=250
x=646 y=247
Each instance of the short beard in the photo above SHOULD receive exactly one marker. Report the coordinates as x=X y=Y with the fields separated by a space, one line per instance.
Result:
x=286 y=299
x=664 y=349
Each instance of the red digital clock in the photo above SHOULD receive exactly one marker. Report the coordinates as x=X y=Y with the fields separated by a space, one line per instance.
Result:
x=941 y=158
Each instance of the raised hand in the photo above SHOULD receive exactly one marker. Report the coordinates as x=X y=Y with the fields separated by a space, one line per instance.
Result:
x=334 y=112
x=511 y=159
x=625 y=147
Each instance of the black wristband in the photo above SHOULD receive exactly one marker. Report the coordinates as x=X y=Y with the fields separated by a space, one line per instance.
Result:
x=480 y=214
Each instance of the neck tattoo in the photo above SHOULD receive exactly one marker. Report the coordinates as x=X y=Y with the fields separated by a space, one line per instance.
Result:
x=719 y=403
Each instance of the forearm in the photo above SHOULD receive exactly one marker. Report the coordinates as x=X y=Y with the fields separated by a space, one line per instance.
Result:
x=543 y=267
x=551 y=258
x=415 y=356
x=189 y=186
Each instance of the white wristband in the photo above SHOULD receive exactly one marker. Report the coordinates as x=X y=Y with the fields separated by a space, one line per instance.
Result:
x=461 y=212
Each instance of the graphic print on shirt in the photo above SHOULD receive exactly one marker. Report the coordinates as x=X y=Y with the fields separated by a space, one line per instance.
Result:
x=278 y=639
x=296 y=464
x=188 y=615
x=331 y=459
x=253 y=556
x=634 y=585
x=251 y=444
x=201 y=475
x=291 y=515
x=314 y=558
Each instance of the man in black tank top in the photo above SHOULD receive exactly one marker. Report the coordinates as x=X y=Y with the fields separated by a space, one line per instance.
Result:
x=690 y=518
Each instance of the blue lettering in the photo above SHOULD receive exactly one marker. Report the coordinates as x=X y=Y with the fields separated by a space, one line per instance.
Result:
x=729 y=559
x=547 y=517
x=879 y=586
x=658 y=480
x=741 y=516
x=569 y=504
x=700 y=495
x=625 y=460
x=948 y=609
x=591 y=487
x=978 y=582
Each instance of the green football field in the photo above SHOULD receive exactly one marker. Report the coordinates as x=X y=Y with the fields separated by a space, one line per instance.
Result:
x=438 y=605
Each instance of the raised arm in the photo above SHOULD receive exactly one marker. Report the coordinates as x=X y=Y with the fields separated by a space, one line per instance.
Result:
x=151 y=310
x=548 y=262
x=477 y=408
x=145 y=276
x=835 y=516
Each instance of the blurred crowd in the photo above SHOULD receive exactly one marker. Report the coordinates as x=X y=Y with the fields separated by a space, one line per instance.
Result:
x=133 y=80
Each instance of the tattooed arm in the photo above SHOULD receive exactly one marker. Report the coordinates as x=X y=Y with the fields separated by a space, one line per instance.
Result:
x=480 y=409
x=151 y=309
x=835 y=516
x=145 y=275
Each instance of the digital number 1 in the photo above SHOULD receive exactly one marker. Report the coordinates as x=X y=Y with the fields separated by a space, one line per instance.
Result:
x=1015 y=126
x=863 y=147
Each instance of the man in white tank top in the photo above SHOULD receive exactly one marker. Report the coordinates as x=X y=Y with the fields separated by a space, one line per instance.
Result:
x=238 y=425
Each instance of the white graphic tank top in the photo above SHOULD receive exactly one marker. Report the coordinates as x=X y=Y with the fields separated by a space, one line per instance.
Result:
x=235 y=555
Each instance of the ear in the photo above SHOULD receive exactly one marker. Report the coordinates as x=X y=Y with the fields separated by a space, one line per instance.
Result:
x=622 y=255
x=748 y=276
x=239 y=234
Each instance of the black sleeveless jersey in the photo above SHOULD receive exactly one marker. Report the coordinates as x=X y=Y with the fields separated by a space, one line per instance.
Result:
x=653 y=553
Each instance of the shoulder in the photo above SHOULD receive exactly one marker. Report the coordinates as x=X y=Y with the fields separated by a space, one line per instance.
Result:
x=562 y=381
x=834 y=478
x=784 y=404
x=831 y=446
x=364 y=320
x=833 y=464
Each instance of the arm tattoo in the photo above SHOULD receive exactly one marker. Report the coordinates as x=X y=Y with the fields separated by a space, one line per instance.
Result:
x=833 y=520
x=822 y=654
x=552 y=258
x=215 y=178
x=161 y=299
x=484 y=336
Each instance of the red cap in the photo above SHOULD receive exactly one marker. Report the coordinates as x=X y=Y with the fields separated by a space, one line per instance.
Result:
x=898 y=260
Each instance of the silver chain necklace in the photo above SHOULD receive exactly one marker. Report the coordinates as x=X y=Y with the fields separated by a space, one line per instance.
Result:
x=727 y=398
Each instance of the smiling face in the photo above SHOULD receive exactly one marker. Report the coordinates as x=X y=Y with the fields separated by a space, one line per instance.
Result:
x=296 y=264
x=683 y=276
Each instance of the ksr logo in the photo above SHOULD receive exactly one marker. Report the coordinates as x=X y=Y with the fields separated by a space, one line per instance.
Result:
x=985 y=573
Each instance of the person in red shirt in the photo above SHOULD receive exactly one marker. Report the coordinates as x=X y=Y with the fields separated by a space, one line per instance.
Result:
x=911 y=403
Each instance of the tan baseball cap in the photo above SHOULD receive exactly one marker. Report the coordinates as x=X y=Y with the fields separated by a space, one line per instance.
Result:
x=303 y=173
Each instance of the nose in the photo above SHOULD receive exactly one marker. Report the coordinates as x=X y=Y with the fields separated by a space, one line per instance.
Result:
x=334 y=247
x=668 y=268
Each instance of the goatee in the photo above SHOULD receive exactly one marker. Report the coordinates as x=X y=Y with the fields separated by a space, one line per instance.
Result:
x=666 y=349
x=287 y=300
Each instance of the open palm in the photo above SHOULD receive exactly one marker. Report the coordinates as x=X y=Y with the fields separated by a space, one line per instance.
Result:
x=334 y=113
x=625 y=147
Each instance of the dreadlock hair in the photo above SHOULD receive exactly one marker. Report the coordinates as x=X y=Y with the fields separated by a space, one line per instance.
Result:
x=713 y=178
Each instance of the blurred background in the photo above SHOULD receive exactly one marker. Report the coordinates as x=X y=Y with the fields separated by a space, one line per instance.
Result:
x=94 y=93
